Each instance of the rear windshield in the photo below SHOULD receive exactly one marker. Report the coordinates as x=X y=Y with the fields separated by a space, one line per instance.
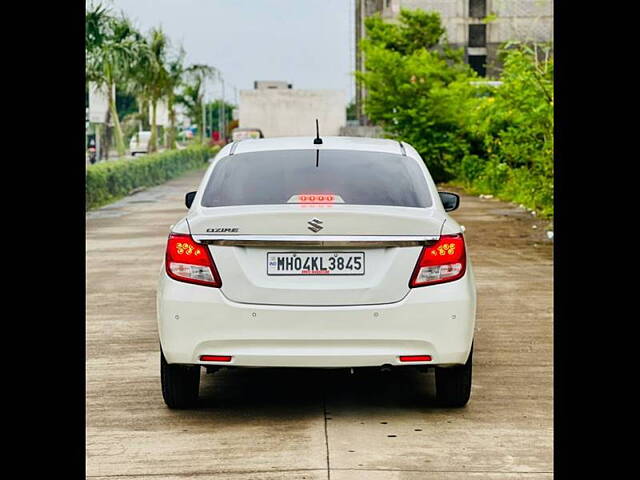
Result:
x=357 y=178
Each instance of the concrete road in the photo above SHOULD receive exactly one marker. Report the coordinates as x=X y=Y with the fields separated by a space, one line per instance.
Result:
x=309 y=424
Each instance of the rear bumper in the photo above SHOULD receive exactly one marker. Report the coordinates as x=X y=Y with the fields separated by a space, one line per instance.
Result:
x=437 y=320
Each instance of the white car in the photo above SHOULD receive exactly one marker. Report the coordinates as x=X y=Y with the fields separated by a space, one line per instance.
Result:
x=332 y=255
x=139 y=142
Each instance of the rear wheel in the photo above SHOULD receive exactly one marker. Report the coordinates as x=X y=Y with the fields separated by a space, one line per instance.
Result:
x=453 y=384
x=180 y=384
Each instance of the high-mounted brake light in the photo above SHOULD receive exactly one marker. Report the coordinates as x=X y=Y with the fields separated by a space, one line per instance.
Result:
x=316 y=198
x=442 y=262
x=327 y=198
x=191 y=262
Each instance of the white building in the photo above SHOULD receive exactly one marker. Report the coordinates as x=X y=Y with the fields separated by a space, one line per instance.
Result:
x=284 y=112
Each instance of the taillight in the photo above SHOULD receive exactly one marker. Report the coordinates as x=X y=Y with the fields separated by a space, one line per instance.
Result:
x=415 y=358
x=444 y=261
x=188 y=261
x=215 y=358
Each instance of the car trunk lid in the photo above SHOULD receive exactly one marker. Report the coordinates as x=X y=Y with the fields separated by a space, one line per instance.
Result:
x=243 y=239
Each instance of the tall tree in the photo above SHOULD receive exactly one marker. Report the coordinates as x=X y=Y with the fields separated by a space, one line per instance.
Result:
x=408 y=65
x=111 y=45
x=136 y=81
x=213 y=113
x=192 y=95
x=157 y=78
x=175 y=74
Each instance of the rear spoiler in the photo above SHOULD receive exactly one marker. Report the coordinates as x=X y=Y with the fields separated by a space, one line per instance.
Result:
x=341 y=241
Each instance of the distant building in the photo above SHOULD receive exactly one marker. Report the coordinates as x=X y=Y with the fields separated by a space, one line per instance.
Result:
x=280 y=111
x=522 y=20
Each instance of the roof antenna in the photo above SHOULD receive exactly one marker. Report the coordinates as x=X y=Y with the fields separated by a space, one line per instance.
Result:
x=317 y=140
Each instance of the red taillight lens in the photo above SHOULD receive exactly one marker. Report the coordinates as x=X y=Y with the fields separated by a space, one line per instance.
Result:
x=415 y=358
x=188 y=261
x=444 y=261
x=215 y=358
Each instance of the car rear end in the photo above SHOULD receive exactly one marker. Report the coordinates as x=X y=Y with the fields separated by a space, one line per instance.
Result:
x=323 y=257
x=140 y=142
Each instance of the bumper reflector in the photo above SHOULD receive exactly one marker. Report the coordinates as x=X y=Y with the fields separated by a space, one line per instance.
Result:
x=215 y=358
x=415 y=358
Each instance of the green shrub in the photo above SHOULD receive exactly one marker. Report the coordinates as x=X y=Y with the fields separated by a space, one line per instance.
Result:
x=493 y=177
x=109 y=181
x=529 y=188
x=471 y=167
x=514 y=126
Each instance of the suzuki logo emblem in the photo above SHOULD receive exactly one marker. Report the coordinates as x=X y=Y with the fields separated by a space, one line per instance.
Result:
x=315 y=225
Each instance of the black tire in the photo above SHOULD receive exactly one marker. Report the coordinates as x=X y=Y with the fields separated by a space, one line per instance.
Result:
x=180 y=384
x=453 y=384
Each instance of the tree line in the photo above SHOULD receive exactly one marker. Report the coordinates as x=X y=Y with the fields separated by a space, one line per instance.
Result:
x=148 y=67
x=490 y=138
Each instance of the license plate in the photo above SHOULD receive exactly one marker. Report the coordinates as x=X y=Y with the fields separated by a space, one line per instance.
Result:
x=315 y=263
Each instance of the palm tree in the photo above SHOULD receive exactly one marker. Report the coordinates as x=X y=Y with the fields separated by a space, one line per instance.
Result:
x=192 y=96
x=175 y=74
x=112 y=44
x=95 y=28
x=136 y=81
x=156 y=77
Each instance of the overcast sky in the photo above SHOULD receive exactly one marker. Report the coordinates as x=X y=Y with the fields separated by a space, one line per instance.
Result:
x=308 y=43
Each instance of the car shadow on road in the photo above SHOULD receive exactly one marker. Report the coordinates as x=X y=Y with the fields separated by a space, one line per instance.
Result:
x=297 y=391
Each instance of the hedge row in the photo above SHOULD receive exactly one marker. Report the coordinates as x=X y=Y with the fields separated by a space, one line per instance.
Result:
x=109 y=181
